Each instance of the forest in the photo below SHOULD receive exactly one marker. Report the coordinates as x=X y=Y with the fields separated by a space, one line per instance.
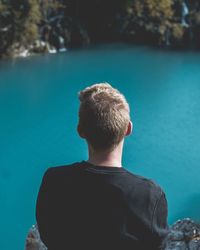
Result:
x=39 y=26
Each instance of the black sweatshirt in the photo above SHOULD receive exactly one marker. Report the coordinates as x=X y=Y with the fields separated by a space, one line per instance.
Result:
x=87 y=207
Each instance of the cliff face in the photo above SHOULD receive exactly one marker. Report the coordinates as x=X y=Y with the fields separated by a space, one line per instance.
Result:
x=31 y=26
x=183 y=235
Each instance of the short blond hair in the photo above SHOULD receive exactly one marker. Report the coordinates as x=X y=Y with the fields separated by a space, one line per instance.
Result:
x=104 y=116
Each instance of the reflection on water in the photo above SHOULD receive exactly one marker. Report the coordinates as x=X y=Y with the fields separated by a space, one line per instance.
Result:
x=38 y=107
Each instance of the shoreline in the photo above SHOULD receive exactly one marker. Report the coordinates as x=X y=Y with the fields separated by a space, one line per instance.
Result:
x=45 y=28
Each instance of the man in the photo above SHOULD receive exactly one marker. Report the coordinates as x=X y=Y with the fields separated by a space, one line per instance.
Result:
x=98 y=204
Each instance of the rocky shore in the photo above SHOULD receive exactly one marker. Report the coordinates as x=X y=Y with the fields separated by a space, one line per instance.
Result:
x=183 y=235
x=38 y=26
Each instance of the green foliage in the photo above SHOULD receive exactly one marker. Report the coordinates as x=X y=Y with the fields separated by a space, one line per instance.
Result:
x=20 y=20
x=46 y=7
x=26 y=20
x=177 y=31
x=154 y=16
x=197 y=18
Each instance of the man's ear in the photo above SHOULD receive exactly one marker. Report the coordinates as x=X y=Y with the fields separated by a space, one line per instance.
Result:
x=81 y=134
x=129 y=129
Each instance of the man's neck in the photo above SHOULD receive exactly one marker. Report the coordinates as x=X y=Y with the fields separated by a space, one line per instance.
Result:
x=106 y=158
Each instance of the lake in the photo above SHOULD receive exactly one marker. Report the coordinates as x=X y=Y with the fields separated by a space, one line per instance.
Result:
x=38 y=118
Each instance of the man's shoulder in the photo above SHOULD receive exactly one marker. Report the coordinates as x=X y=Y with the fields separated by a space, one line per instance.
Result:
x=66 y=167
x=143 y=184
x=60 y=170
x=142 y=179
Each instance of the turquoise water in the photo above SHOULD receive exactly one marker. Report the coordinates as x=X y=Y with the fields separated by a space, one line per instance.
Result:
x=38 y=117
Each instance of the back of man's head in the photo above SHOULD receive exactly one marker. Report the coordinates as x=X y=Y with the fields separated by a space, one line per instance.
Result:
x=104 y=116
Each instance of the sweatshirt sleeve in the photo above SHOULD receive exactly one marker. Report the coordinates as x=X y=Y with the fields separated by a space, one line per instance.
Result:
x=44 y=206
x=147 y=217
x=159 y=223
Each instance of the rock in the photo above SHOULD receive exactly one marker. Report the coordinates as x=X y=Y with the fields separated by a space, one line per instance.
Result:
x=183 y=235
x=33 y=241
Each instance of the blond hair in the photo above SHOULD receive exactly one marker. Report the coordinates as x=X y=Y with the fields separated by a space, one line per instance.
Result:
x=104 y=116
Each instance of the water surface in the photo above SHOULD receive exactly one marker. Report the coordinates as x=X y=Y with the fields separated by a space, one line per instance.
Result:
x=38 y=117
